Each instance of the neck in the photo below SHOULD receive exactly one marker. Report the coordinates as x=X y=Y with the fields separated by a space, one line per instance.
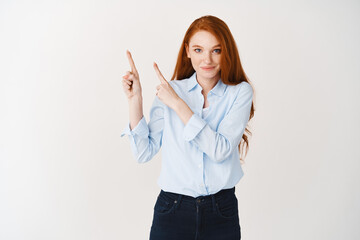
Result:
x=207 y=84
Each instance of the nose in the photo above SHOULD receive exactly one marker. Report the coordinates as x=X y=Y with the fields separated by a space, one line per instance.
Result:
x=207 y=58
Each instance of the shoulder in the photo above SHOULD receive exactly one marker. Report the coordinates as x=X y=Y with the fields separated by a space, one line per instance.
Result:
x=179 y=84
x=243 y=88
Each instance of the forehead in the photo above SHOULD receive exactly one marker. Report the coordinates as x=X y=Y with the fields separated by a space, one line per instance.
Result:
x=203 y=38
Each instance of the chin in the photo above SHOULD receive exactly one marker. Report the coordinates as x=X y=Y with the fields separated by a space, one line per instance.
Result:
x=209 y=74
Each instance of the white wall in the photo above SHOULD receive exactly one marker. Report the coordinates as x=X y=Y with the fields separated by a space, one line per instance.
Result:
x=65 y=173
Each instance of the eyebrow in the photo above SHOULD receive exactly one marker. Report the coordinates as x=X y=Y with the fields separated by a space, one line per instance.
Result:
x=201 y=46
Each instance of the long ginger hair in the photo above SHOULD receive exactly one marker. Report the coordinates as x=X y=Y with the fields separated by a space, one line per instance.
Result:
x=232 y=72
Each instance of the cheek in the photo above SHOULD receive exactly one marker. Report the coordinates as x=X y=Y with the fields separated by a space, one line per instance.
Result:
x=196 y=60
x=218 y=60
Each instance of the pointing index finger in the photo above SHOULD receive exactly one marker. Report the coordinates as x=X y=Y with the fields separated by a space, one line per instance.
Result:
x=160 y=76
x=131 y=61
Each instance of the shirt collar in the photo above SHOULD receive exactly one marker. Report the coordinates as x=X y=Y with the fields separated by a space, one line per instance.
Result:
x=218 y=89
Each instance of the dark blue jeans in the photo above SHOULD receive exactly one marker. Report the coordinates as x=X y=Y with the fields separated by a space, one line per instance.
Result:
x=182 y=217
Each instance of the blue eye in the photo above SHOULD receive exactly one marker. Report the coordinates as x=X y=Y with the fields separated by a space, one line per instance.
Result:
x=198 y=50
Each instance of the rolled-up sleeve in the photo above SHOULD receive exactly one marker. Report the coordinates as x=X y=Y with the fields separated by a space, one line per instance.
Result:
x=193 y=127
x=145 y=139
x=220 y=144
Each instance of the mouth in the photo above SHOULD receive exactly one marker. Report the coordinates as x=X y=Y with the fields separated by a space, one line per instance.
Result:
x=207 y=68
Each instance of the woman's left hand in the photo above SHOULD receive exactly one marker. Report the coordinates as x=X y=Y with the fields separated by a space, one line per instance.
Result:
x=165 y=92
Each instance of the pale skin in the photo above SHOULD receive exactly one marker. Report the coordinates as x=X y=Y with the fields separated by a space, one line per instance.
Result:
x=205 y=58
x=204 y=51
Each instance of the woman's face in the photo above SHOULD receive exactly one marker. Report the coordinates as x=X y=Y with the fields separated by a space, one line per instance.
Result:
x=204 y=51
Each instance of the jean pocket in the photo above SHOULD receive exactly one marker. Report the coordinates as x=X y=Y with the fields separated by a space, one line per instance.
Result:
x=164 y=205
x=227 y=207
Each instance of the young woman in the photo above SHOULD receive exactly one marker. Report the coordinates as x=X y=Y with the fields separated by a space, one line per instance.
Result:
x=199 y=119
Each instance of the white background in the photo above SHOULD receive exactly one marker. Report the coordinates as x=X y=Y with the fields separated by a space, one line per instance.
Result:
x=65 y=173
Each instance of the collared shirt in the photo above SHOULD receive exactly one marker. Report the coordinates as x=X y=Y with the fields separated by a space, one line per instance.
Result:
x=201 y=157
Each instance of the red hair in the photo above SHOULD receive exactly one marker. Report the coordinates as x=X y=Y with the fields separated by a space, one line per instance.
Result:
x=232 y=72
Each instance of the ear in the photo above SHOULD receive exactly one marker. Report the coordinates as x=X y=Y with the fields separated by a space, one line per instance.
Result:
x=187 y=50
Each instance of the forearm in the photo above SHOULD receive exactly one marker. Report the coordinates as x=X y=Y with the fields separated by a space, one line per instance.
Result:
x=135 y=110
x=183 y=111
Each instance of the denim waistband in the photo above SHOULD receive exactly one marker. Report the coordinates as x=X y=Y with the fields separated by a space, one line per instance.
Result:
x=217 y=195
x=200 y=199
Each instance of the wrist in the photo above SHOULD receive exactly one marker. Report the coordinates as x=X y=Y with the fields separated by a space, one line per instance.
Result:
x=135 y=98
x=178 y=104
x=183 y=111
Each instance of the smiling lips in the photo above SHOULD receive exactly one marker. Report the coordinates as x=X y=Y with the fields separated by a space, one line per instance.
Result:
x=207 y=68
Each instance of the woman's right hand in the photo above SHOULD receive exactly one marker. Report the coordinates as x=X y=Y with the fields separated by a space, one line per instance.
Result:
x=131 y=81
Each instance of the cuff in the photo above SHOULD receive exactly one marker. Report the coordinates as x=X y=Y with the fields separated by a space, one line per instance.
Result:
x=193 y=127
x=140 y=129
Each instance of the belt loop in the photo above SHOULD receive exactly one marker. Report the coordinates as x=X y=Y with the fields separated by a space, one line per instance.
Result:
x=213 y=202
x=177 y=202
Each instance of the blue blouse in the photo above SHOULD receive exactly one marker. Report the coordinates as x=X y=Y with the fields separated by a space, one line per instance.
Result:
x=201 y=157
